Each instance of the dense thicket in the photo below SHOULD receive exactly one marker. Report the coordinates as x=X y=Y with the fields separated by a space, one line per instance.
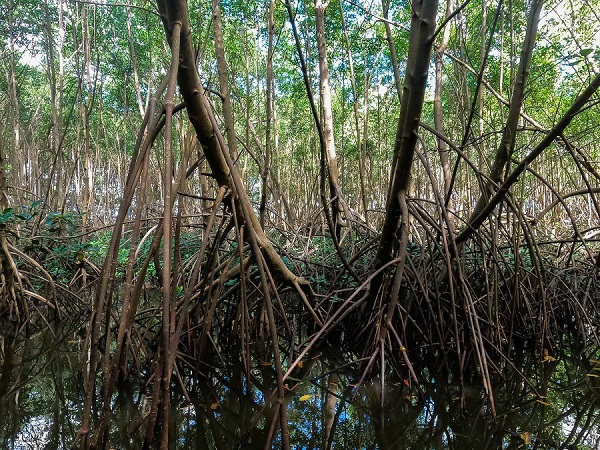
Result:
x=413 y=184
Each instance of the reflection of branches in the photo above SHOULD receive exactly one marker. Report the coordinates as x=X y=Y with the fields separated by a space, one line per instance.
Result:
x=25 y=369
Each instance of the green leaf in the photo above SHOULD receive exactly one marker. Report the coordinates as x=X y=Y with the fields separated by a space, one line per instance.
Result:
x=6 y=215
x=586 y=51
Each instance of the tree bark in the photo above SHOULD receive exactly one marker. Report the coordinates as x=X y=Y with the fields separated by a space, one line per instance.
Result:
x=438 y=112
x=197 y=108
x=223 y=79
x=329 y=407
x=339 y=212
x=396 y=219
x=355 y=105
x=269 y=119
x=507 y=143
x=385 y=4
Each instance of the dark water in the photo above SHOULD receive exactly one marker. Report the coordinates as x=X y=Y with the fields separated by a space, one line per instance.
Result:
x=539 y=403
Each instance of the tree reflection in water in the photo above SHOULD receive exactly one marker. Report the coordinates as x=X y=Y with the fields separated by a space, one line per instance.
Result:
x=549 y=403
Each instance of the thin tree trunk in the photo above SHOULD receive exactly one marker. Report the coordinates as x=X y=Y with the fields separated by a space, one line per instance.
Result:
x=223 y=80
x=136 y=80
x=169 y=287
x=438 y=112
x=507 y=143
x=86 y=106
x=339 y=211
x=420 y=46
x=390 y=40
x=56 y=102
x=329 y=407
x=480 y=105
x=283 y=194
x=269 y=118
x=355 y=105
x=15 y=123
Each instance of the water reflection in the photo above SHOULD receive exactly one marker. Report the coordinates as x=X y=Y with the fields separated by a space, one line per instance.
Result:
x=539 y=403
x=40 y=388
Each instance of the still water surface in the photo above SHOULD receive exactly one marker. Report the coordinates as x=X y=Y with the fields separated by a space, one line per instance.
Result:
x=539 y=403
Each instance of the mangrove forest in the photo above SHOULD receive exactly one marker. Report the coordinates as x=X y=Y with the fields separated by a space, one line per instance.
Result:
x=299 y=224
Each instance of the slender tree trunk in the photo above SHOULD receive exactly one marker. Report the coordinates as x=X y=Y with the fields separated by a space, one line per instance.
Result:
x=56 y=102
x=481 y=99
x=269 y=119
x=507 y=143
x=390 y=40
x=281 y=188
x=223 y=80
x=15 y=122
x=355 y=105
x=339 y=212
x=395 y=228
x=329 y=407
x=364 y=149
x=438 y=107
x=132 y=53
x=86 y=106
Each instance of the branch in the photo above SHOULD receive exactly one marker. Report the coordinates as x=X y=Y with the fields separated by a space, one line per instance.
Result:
x=511 y=179
x=379 y=18
x=110 y=5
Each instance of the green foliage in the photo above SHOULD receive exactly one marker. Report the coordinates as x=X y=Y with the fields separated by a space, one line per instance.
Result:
x=52 y=239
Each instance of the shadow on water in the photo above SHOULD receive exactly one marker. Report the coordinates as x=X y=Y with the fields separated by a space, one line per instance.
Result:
x=540 y=403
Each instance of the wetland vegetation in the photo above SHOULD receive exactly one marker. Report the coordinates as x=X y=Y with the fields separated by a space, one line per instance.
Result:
x=299 y=224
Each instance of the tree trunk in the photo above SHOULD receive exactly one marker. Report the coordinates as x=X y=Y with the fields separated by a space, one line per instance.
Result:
x=223 y=80
x=339 y=212
x=223 y=170
x=355 y=105
x=269 y=119
x=388 y=35
x=507 y=143
x=438 y=112
x=329 y=408
x=395 y=228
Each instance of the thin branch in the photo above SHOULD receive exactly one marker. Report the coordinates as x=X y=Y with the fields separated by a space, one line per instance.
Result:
x=379 y=18
x=122 y=5
x=511 y=179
